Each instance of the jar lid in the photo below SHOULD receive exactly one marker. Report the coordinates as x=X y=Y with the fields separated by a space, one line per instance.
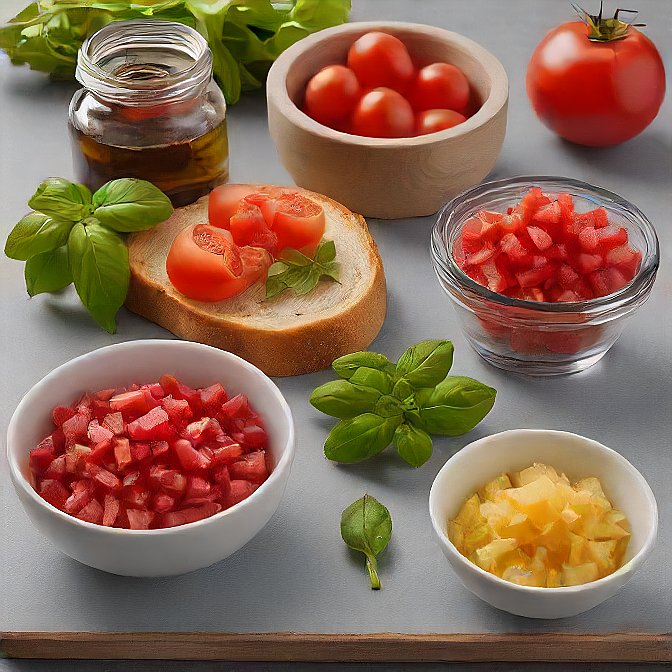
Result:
x=141 y=62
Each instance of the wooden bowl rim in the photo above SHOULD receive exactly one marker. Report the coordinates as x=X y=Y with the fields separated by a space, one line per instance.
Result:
x=277 y=90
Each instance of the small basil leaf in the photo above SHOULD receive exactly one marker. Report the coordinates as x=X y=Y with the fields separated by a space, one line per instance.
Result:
x=48 y=271
x=295 y=258
x=402 y=389
x=413 y=445
x=360 y=438
x=128 y=204
x=366 y=526
x=341 y=399
x=455 y=406
x=427 y=363
x=346 y=366
x=326 y=252
x=388 y=407
x=99 y=264
x=379 y=380
x=62 y=199
x=36 y=233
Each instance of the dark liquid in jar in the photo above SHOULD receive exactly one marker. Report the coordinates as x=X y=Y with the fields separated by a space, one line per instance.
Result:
x=184 y=171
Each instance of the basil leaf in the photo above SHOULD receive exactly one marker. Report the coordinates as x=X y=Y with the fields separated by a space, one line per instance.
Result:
x=426 y=364
x=129 y=204
x=366 y=526
x=301 y=273
x=99 y=264
x=388 y=407
x=347 y=365
x=62 y=199
x=36 y=233
x=379 y=380
x=454 y=407
x=359 y=438
x=413 y=445
x=341 y=399
x=402 y=389
x=48 y=271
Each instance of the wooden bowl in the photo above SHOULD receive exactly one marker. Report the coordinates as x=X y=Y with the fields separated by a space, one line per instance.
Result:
x=387 y=178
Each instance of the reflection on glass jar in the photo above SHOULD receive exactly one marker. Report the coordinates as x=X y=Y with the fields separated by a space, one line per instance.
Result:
x=149 y=109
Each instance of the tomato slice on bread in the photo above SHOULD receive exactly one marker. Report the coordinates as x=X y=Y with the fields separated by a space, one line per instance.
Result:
x=205 y=264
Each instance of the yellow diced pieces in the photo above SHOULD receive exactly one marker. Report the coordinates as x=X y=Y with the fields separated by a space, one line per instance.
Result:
x=535 y=528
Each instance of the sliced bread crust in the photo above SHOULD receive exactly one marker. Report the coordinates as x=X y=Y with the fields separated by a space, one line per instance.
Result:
x=286 y=335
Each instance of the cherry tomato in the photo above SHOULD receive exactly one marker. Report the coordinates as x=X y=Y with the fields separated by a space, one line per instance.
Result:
x=379 y=59
x=596 y=93
x=204 y=264
x=431 y=121
x=248 y=227
x=383 y=113
x=440 y=86
x=332 y=94
x=299 y=223
x=223 y=202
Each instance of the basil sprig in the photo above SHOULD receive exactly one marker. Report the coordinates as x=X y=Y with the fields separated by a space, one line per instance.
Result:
x=294 y=270
x=379 y=403
x=366 y=526
x=75 y=236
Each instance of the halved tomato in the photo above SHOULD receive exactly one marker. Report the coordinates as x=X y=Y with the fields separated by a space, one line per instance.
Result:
x=299 y=223
x=206 y=265
x=248 y=226
x=223 y=202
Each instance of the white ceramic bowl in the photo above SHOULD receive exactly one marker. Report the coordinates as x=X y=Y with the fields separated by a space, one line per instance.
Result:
x=174 y=550
x=578 y=457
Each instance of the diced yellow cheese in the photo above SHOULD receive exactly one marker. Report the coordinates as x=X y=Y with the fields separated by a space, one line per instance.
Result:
x=489 y=490
x=576 y=576
x=602 y=554
x=538 y=500
x=488 y=556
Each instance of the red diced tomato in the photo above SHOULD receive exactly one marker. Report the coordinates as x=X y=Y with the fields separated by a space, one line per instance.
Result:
x=135 y=496
x=213 y=397
x=251 y=467
x=54 y=492
x=535 y=276
x=549 y=214
x=188 y=456
x=227 y=454
x=587 y=263
x=91 y=513
x=491 y=225
x=98 y=432
x=179 y=411
x=255 y=437
x=239 y=490
x=205 y=429
x=102 y=476
x=133 y=404
x=567 y=276
x=56 y=469
x=58 y=439
x=567 y=295
x=75 y=429
x=41 y=457
x=162 y=502
x=140 y=450
x=471 y=235
x=511 y=246
x=612 y=236
x=75 y=458
x=114 y=422
x=122 y=453
x=539 y=237
x=596 y=218
x=100 y=451
x=62 y=413
x=588 y=238
x=190 y=515
x=78 y=500
x=197 y=487
x=557 y=251
x=110 y=510
x=236 y=407
x=480 y=257
x=172 y=386
x=496 y=281
x=139 y=519
x=168 y=479
x=152 y=426
x=626 y=259
x=159 y=448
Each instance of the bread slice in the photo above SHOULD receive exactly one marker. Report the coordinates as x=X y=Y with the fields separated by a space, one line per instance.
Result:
x=286 y=335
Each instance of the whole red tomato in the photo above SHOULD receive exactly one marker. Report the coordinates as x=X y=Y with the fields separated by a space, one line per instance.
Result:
x=383 y=113
x=597 y=83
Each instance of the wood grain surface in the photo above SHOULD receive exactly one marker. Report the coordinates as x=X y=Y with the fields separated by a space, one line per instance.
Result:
x=383 y=647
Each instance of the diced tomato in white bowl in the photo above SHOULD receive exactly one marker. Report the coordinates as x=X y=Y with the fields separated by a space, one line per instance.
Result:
x=155 y=479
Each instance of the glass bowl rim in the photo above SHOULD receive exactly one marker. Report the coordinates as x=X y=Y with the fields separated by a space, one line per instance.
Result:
x=447 y=269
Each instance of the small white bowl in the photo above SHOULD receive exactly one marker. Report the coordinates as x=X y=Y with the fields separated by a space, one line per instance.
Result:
x=169 y=551
x=578 y=457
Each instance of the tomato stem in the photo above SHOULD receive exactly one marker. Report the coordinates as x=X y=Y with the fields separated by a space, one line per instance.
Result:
x=606 y=29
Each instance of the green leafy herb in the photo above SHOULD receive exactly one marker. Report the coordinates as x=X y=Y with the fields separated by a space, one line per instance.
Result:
x=99 y=265
x=48 y=271
x=61 y=199
x=294 y=270
x=347 y=365
x=36 y=233
x=64 y=242
x=380 y=403
x=129 y=205
x=366 y=526
x=360 y=438
x=245 y=36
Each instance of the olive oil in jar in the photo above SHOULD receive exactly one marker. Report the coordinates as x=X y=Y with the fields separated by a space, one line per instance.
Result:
x=184 y=171
x=149 y=109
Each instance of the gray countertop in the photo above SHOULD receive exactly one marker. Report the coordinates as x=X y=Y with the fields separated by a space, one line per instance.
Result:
x=297 y=575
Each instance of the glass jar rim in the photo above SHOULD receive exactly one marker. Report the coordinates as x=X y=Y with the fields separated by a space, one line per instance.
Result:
x=119 y=36
x=448 y=271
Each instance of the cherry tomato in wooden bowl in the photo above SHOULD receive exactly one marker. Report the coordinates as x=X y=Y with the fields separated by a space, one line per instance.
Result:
x=597 y=83
x=383 y=113
x=432 y=121
x=331 y=95
x=440 y=86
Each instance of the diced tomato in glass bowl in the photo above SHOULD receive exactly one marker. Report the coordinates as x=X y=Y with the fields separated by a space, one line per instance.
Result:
x=543 y=271
x=160 y=477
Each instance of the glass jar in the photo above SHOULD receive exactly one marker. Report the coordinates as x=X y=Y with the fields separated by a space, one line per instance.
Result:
x=149 y=109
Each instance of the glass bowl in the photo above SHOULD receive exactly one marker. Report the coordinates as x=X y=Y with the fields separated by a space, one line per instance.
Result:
x=534 y=337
